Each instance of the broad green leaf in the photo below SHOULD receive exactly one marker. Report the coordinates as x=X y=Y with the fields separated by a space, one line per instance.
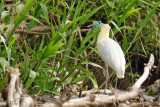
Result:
x=56 y=90
x=146 y=3
x=125 y=44
x=79 y=8
x=85 y=70
x=32 y=76
x=79 y=51
x=12 y=41
x=127 y=14
x=45 y=11
x=36 y=13
x=93 y=64
x=3 y=63
x=50 y=49
x=89 y=36
x=35 y=19
x=69 y=49
x=64 y=16
x=59 y=22
x=130 y=5
x=81 y=78
x=127 y=65
x=48 y=80
x=22 y=15
x=53 y=31
x=42 y=43
x=3 y=15
x=92 y=78
x=66 y=27
x=1 y=6
x=94 y=81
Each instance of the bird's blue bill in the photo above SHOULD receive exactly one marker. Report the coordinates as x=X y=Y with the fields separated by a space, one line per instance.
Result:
x=95 y=24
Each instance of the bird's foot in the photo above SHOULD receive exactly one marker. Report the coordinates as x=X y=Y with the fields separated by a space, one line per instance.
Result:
x=108 y=92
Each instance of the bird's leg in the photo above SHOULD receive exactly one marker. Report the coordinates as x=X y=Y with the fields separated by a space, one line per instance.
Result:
x=107 y=77
x=116 y=83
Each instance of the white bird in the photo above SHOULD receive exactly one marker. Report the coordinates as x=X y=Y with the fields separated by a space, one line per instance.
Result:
x=110 y=51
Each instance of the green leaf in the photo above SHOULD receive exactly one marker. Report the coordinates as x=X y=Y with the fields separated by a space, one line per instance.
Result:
x=125 y=44
x=130 y=5
x=64 y=16
x=42 y=43
x=3 y=15
x=49 y=50
x=35 y=19
x=12 y=41
x=66 y=27
x=22 y=15
x=30 y=79
x=45 y=11
x=127 y=14
x=87 y=16
x=154 y=89
x=53 y=31
x=145 y=21
x=56 y=90
x=26 y=62
x=78 y=79
x=3 y=82
x=9 y=54
x=59 y=22
x=79 y=51
x=93 y=64
x=92 y=77
x=94 y=81
x=36 y=13
x=4 y=63
x=69 y=48
x=89 y=36
x=45 y=81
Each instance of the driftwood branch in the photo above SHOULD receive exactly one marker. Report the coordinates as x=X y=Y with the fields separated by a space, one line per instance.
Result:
x=13 y=98
x=101 y=99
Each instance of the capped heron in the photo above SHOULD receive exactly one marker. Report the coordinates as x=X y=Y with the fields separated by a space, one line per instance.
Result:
x=110 y=51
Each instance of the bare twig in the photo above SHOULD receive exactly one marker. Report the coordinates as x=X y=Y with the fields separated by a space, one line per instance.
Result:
x=30 y=32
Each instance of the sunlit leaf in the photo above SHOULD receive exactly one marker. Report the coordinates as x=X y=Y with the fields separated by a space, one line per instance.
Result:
x=32 y=76
x=78 y=79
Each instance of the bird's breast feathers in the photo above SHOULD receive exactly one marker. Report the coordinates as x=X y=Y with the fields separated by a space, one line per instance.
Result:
x=112 y=54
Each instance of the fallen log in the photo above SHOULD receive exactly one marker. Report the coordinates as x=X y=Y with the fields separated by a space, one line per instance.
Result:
x=102 y=99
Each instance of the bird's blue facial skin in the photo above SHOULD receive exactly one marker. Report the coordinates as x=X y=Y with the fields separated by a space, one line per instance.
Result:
x=95 y=24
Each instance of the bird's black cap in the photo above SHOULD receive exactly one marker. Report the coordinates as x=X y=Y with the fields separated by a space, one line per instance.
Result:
x=104 y=21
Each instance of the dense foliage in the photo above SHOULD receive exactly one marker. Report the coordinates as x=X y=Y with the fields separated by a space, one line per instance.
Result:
x=62 y=55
